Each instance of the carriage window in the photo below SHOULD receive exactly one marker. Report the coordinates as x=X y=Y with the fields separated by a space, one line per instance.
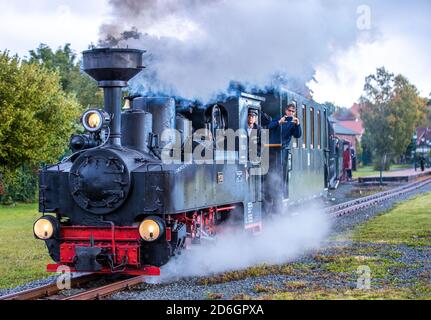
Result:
x=325 y=127
x=295 y=142
x=312 y=124
x=297 y=115
x=319 y=130
x=304 y=120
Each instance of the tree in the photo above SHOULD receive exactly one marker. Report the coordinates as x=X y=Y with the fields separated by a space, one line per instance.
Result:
x=37 y=117
x=428 y=110
x=359 y=152
x=64 y=60
x=393 y=109
x=367 y=154
x=332 y=108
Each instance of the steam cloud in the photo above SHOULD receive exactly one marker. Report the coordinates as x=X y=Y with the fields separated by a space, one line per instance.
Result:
x=196 y=48
x=283 y=239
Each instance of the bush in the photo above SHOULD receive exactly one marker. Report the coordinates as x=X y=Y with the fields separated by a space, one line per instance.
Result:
x=37 y=116
x=20 y=185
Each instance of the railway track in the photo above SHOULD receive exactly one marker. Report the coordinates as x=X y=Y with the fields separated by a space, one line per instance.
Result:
x=369 y=201
x=105 y=291
x=51 y=291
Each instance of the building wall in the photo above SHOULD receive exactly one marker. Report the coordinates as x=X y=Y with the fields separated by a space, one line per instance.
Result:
x=351 y=139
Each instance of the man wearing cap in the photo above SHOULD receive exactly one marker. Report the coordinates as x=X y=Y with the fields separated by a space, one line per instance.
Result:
x=255 y=136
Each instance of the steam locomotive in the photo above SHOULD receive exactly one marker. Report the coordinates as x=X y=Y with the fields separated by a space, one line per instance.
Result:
x=115 y=206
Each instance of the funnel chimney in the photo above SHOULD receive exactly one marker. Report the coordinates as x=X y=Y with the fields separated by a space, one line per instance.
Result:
x=112 y=68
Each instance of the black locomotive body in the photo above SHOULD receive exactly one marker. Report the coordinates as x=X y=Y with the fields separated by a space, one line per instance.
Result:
x=116 y=206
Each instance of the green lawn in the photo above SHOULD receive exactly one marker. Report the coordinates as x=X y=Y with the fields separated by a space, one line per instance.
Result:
x=408 y=223
x=364 y=172
x=401 y=166
x=22 y=257
x=369 y=170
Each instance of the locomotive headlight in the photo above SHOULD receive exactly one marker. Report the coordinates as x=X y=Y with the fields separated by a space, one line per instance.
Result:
x=45 y=228
x=95 y=120
x=151 y=229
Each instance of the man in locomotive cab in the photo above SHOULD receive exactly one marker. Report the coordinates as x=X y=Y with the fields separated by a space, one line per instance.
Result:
x=254 y=137
x=252 y=121
x=286 y=127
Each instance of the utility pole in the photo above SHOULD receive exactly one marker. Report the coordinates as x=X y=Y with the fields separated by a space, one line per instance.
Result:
x=382 y=166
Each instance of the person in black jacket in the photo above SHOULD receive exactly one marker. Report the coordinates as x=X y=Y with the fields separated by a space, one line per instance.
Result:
x=422 y=162
x=285 y=127
x=281 y=131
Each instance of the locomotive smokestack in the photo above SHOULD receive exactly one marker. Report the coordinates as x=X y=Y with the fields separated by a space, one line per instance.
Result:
x=112 y=68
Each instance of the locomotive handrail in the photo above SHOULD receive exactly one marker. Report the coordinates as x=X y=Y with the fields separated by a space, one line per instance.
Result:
x=289 y=160
x=276 y=145
x=46 y=168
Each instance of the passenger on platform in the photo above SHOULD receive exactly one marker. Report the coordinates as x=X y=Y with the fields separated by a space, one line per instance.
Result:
x=347 y=163
x=422 y=162
x=354 y=159
x=350 y=169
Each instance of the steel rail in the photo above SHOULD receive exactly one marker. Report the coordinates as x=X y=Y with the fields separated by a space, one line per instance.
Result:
x=104 y=291
x=46 y=291
x=366 y=202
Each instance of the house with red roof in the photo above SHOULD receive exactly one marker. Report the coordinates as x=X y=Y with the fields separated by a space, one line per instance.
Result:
x=423 y=136
x=348 y=125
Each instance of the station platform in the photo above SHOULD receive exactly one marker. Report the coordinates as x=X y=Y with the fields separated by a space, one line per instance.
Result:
x=402 y=175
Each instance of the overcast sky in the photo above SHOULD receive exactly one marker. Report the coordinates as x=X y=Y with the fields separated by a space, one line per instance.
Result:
x=24 y=24
x=402 y=43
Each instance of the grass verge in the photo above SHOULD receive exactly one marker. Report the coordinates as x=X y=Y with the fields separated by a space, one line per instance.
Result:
x=368 y=171
x=392 y=245
x=408 y=223
x=22 y=257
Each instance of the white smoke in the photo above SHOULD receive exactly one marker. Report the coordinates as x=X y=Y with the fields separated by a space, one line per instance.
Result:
x=196 y=48
x=283 y=238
